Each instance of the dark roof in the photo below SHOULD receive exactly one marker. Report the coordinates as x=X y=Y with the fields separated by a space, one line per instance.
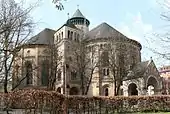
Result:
x=78 y=14
x=68 y=24
x=103 y=30
x=44 y=37
x=138 y=70
x=141 y=67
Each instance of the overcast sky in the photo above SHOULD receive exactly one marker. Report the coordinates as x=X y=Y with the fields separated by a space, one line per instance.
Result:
x=137 y=19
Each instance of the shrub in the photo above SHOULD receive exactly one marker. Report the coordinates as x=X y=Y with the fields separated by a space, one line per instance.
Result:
x=40 y=100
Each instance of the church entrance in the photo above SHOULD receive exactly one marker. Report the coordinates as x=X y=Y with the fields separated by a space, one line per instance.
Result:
x=132 y=89
x=59 y=89
x=74 y=91
x=105 y=90
x=151 y=85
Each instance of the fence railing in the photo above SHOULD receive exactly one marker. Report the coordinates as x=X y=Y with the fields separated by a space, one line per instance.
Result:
x=50 y=102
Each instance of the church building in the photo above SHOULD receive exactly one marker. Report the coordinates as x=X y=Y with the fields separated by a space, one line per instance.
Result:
x=78 y=61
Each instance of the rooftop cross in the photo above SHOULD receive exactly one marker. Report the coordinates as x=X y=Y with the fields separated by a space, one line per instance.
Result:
x=68 y=15
x=77 y=6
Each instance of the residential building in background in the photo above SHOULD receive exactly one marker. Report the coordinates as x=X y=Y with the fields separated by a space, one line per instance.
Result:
x=165 y=74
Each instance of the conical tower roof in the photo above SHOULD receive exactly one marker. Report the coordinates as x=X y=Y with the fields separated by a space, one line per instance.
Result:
x=78 y=18
x=78 y=14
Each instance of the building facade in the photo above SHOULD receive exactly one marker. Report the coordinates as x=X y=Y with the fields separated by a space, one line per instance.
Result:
x=96 y=62
x=165 y=74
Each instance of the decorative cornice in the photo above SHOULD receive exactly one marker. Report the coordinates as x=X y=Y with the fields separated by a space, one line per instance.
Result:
x=115 y=39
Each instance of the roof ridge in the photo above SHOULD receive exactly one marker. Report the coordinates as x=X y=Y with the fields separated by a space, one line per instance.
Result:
x=104 y=30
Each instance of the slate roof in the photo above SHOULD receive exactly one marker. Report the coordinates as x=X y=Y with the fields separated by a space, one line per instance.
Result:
x=68 y=24
x=78 y=14
x=141 y=67
x=138 y=70
x=44 y=37
x=103 y=30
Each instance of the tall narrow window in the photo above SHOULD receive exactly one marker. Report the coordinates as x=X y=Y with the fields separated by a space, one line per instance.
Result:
x=105 y=59
x=107 y=72
x=104 y=72
x=61 y=35
x=57 y=38
x=73 y=75
x=75 y=36
x=71 y=35
x=29 y=71
x=68 y=34
x=106 y=92
x=44 y=72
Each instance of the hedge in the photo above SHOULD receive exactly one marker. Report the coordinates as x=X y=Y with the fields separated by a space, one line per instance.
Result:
x=51 y=101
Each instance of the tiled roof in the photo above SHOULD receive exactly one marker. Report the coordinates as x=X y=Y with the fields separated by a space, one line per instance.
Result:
x=104 y=30
x=44 y=37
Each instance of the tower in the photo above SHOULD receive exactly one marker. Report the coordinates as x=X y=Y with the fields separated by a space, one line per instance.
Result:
x=79 y=21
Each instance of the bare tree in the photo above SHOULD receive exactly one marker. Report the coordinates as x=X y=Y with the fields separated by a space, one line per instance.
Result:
x=159 y=41
x=114 y=61
x=55 y=61
x=85 y=63
x=58 y=4
x=15 y=27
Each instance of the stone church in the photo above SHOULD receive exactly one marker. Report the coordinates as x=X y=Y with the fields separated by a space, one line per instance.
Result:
x=103 y=43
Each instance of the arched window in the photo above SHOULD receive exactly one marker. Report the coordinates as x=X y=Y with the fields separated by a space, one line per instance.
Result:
x=73 y=75
x=106 y=92
x=132 y=89
x=44 y=72
x=71 y=35
x=105 y=59
x=61 y=35
x=29 y=71
x=68 y=34
x=75 y=36
x=57 y=38
x=59 y=89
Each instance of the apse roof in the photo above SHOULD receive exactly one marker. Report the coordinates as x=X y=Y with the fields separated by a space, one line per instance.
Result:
x=44 y=37
x=104 y=30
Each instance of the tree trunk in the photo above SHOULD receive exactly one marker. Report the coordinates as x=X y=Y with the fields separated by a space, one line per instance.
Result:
x=82 y=83
x=89 y=82
x=6 y=73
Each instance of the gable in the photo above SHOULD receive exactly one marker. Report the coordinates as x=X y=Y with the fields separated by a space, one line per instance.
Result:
x=152 y=69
